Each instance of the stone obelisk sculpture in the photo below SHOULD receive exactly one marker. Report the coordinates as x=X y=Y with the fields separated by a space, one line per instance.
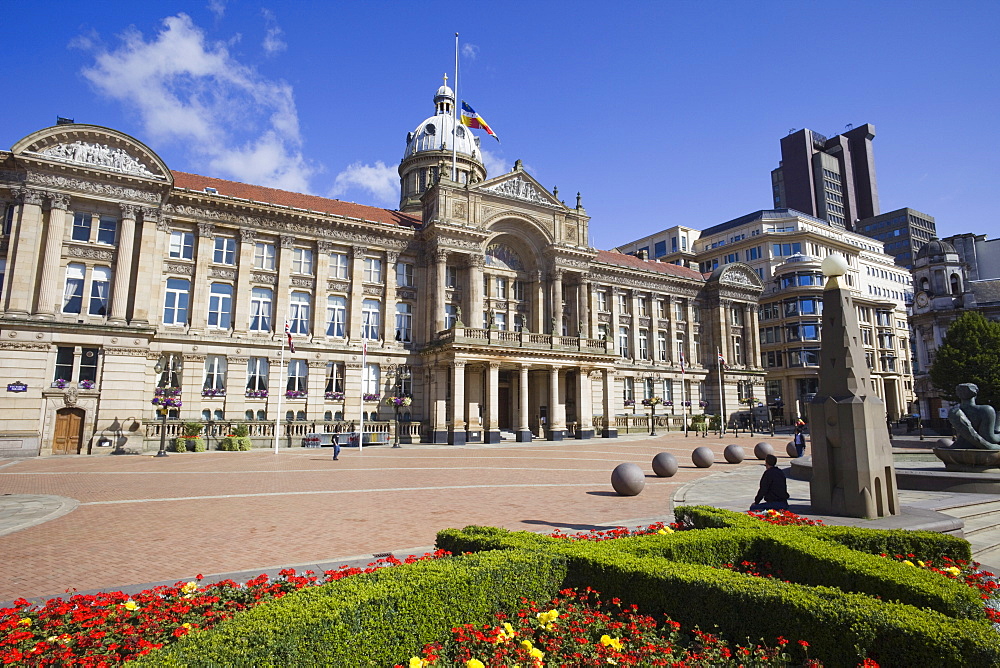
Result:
x=853 y=473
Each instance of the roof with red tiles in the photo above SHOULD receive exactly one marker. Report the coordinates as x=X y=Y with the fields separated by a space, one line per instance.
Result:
x=295 y=200
x=632 y=262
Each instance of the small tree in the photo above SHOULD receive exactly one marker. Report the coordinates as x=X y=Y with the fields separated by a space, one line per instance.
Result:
x=970 y=353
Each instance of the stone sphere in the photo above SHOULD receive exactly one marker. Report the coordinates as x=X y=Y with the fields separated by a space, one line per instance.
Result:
x=790 y=449
x=763 y=449
x=945 y=443
x=664 y=465
x=628 y=479
x=834 y=264
x=703 y=457
x=734 y=454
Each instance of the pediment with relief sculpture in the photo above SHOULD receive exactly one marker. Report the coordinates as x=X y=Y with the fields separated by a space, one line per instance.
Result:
x=518 y=185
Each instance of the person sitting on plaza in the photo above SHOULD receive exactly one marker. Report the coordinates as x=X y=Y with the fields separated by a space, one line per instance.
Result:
x=773 y=488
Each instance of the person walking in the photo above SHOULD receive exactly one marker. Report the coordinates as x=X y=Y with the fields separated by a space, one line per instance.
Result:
x=773 y=492
x=800 y=442
x=336 y=447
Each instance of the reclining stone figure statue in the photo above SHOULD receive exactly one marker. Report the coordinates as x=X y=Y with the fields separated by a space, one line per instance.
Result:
x=975 y=425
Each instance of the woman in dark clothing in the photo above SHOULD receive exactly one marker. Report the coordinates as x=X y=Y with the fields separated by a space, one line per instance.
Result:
x=773 y=489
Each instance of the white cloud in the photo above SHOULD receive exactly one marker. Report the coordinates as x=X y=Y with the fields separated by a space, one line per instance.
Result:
x=233 y=122
x=217 y=7
x=470 y=51
x=273 y=42
x=379 y=180
x=495 y=165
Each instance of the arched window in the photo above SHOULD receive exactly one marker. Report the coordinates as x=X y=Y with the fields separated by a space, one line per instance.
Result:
x=328 y=416
x=301 y=416
x=289 y=416
x=249 y=415
x=338 y=416
x=956 y=284
x=206 y=414
x=261 y=415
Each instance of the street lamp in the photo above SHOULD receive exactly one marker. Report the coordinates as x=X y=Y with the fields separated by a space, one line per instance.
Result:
x=398 y=374
x=167 y=396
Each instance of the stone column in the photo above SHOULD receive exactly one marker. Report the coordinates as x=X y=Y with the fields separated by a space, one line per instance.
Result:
x=389 y=296
x=475 y=303
x=557 y=411
x=200 y=281
x=555 y=322
x=587 y=309
x=491 y=431
x=282 y=292
x=608 y=379
x=321 y=270
x=241 y=315
x=538 y=307
x=439 y=299
x=437 y=380
x=614 y=321
x=149 y=272
x=634 y=330
x=25 y=250
x=49 y=283
x=584 y=403
x=523 y=434
x=456 y=435
x=123 y=265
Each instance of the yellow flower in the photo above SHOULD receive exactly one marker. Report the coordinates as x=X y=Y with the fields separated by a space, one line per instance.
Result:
x=536 y=653
x=131 y=605
x=908 y=562
x=526 y=644
x=953 y=570
x=665 y=530
x=25 y=621
x=505 y=634
x=474 y=663
x=614 y=643
x=417 y=662
x=186 y=625
x=921 y=564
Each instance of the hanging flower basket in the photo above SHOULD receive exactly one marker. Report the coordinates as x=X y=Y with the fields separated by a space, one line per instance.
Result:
x=167 y=397
x=652 y=401
x=398 y=401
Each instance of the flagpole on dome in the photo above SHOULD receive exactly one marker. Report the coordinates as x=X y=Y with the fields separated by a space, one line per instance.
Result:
x=454 y=121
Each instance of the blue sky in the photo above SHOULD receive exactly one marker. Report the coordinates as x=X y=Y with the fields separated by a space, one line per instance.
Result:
x=659 y=113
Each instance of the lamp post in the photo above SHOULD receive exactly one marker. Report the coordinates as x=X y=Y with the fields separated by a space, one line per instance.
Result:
x=167 y=395
x=398 y=373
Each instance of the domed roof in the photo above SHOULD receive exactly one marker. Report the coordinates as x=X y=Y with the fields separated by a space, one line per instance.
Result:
x=935 y=250
x=435 y=133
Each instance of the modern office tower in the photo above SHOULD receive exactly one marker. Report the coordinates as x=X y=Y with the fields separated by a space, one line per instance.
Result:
x=903 y=231
x=832 y=179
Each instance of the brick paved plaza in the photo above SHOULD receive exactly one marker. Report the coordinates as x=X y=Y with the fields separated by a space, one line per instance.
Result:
x=141 y=519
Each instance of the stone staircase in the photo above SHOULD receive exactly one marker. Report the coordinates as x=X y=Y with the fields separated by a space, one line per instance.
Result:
x=982 y=527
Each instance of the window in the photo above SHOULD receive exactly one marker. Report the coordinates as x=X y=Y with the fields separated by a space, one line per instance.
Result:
x=73 y=291
x=81 y=226
x=660 y=248
x=298 y=312
x=450 y=315
x=302 y=261
x=673 y=244
x=647 y=388
x=681 y=345
x=263 y=256
x=100 y=283
x=753 y=253
x=803 y=358
x=501 y=288
x=182 y=245
x=644 y=344
x=772 y=358
x=404 y=321
x=661 y=308
x=336 y=315
x=260 y=309
x=732 y=257
x=866 y=336
x=257 y=370
x=338 y=265
x=65 y=359
x=736 y=315
x=628 y=387
x=8 y=219
x=518 y=291
x=335 y=377
x=623 y=303
x=220 y=305
x=680 y=310
x=175 y=303
x=661 y=346
x=623 y=341
x=602 y=301
x=451 y=277
x=640 y=305
x=215 y=372
x=107 y=229
x=370 y=379
x=373 y=270
x=500 y=321
x=298 y=376
x=781 y=250
x=404 y=274
x=225 y=250
x=370 y=319
x=3 y=271
x=738 y=350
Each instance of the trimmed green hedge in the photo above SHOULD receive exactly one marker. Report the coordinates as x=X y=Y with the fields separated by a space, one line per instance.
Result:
x=375 y=619
x=672 y=574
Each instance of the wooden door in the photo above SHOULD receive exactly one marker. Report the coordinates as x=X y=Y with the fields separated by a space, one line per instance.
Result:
x=68 y=432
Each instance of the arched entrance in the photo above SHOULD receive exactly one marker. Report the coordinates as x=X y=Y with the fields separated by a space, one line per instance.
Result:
x=68 y=436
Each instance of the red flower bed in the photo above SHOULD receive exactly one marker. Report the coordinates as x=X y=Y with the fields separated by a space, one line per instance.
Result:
x=109 y=628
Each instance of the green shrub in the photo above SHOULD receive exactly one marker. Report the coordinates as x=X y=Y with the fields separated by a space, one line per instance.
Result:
x=192 y=429
x=193 y=443
x=234 y=443
x=672 y=574
x=376 y=619
x=242 y=430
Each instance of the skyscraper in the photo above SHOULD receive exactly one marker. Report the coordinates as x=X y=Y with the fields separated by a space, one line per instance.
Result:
x=832 y=179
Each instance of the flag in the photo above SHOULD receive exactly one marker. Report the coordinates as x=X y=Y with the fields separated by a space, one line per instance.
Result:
x=682 y=362
x=288 y=333
x=722 y=361
x=473 y=120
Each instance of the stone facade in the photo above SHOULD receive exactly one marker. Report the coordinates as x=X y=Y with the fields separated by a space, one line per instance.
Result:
x=487 y=307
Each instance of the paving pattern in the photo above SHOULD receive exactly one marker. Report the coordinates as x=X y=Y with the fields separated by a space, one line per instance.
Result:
x=141 y=519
